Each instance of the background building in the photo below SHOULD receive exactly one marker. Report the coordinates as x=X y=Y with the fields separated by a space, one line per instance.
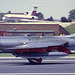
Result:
x=32 y=29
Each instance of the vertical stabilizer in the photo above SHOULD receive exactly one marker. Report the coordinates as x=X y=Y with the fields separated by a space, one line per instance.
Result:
x=34 y=11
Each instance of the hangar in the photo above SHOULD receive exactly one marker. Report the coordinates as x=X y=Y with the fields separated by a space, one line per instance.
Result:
x=32 y=29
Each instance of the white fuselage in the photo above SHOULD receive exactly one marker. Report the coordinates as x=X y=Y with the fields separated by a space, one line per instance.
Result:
x=19 y=17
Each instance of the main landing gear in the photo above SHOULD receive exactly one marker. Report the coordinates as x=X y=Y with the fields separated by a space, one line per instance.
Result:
x=35 y=60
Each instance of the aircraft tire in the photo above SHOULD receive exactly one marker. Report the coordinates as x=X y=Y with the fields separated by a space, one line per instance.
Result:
x=34 y=60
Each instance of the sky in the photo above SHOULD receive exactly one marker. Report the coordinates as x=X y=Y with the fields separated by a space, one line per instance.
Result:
x=54 y=8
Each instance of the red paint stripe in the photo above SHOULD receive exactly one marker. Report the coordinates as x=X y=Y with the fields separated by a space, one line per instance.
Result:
x=51 y=48
x=48 y=49
x=38 y=50
x=22 y=50
x=64 y=49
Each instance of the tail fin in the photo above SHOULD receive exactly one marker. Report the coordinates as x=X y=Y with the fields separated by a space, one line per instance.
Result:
x=34 y=11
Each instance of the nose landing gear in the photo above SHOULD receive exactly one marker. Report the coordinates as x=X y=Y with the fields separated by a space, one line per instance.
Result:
x=35 y=60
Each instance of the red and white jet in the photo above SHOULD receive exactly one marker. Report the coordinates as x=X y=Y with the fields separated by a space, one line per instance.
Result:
x=37 y=48
x=21 y=17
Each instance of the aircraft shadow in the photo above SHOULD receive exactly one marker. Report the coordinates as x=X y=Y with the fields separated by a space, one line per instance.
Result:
x=23 y=63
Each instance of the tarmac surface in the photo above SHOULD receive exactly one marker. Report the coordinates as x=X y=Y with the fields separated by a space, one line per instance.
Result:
x=19 y=66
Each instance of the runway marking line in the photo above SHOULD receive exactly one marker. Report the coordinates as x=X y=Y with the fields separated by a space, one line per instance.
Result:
x=21 y=58
x=36 y=73
x=43 y=61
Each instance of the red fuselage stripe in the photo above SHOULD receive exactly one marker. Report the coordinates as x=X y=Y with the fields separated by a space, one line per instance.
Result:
x=64 y=49
x=48 y=49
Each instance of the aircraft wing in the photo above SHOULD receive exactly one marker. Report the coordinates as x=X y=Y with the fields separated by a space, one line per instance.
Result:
x=38 y=45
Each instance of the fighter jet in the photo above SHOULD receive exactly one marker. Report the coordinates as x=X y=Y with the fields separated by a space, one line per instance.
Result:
x=37 y=48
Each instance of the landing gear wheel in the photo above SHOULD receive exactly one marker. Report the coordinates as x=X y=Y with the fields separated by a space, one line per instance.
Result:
x=34 y=60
